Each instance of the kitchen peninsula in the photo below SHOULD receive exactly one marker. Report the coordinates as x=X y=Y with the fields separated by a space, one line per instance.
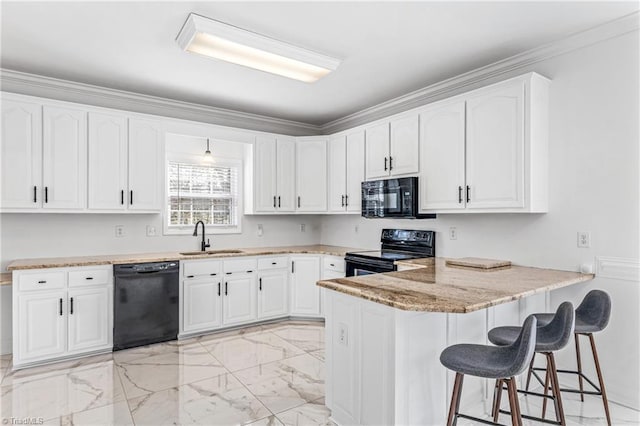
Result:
x=385 y=333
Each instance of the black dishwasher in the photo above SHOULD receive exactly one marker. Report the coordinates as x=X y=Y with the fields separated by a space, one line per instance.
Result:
x=146 y=304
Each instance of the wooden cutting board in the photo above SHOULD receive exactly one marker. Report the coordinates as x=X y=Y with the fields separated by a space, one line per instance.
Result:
x=478 y=263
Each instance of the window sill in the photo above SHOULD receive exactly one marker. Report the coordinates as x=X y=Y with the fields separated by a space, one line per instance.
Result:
x=210 y=230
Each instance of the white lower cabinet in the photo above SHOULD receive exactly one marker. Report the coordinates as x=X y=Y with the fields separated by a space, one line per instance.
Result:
x=305 y=294
x=57 y=316
x=239 y=301
x=273 y=293
x=202 y=304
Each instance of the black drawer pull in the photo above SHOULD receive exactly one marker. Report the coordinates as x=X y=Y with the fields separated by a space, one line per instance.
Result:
x=274 y=263
x=228 y=273
x=189 y=276
x=42 y=282
x=88 y=278
x=213 y=275
x=248 y=272
x=331 y=264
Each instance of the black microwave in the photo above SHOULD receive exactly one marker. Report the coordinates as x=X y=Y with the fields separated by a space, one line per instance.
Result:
x=392 y=198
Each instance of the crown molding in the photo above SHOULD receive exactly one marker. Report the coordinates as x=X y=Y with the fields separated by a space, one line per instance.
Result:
x=457 y=84
x=70 y=91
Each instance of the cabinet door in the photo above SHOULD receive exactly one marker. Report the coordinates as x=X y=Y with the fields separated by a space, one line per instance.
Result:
x=202 y=304
x=90 y=323
x=64 y=158
x=337 y=169
x=311 y=172
x=107 y=161
x=495 y=147
x=305 y=294
x=21 y=154
x=265 y=174
x=239 y=301
x=272 y=294
x=146 y=165
x=286 y=174
x=355 y=171
x=442 y=183
x=404 y=154
x=42 y=326
x=377 y=151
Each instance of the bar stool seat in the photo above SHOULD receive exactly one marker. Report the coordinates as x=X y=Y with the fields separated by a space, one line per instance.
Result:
x=500 y=363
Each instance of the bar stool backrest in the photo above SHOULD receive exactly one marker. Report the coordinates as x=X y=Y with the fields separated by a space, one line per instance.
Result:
x=523 y=349
x=595 y=309
x=555 y=335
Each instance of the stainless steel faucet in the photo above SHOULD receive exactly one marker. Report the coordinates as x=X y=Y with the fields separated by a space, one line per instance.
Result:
x=203 y=245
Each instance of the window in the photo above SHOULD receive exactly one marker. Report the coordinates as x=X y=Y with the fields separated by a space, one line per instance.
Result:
x=202 y=191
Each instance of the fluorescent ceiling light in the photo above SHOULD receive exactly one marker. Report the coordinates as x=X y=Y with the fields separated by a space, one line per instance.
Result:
x=232 y=44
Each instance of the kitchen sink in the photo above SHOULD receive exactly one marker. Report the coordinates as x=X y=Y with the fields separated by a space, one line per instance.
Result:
x=210 y=252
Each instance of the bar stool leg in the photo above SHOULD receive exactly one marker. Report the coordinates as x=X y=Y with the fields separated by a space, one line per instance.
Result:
x=530 y=372
x=547 y=377
x=556 y=389
x=495 y=412
x=597 y=363
x=455 y=400
x=575 y=336
x=516 y=416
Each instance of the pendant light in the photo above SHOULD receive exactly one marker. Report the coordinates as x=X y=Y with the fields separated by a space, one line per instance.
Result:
x=207 y=153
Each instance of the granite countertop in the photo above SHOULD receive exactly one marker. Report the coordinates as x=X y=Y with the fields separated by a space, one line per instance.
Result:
x=435 y=287
x=59 y=262
x=5 y=278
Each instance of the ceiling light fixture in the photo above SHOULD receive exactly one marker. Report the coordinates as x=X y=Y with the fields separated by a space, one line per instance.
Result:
x=218 y=40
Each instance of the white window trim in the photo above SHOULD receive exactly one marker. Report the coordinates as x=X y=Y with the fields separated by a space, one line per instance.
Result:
x=198 y=159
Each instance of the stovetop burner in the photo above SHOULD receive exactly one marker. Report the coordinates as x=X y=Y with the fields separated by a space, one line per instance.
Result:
x=391 y=255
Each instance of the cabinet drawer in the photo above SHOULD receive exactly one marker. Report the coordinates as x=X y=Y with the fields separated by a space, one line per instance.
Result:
x=41 y=280
x=195 y=268
x=272 y=263
x=333 y=263
x=90 y=277
x=240 y=265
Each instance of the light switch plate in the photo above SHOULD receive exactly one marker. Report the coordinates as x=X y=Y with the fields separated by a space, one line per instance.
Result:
x=151 y=231
x=584 y=239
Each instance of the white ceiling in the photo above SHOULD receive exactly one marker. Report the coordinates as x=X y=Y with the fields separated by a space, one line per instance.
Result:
x=388 y=49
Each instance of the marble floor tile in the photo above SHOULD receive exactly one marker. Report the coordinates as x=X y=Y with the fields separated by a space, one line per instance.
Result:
x=249 y=350
x=267 y=421
x=309 y=414
x=117 y=414
x=305 y=337
x=285 y=384
x=5 y=363
x=178 y=365
x=218 y=401
x=55 y=368
x=151 y=350
x=52 y=396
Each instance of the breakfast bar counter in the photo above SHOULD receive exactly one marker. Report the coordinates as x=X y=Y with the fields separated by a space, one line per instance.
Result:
x=385 y=333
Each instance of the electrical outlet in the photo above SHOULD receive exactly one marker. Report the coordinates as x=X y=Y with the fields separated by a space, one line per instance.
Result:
x=453 y=233
x=260 y=230
x=119 y=231
x=303 y=227
x=584 y=239
x=151 y=231
x=343 y=334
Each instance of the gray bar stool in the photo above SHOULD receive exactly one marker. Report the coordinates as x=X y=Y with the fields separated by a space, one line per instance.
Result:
x=500 y=363
x=592 y=316
x=550 y=338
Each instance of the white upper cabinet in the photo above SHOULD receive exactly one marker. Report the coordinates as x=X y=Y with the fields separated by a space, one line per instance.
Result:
x=286 y=172
x=265 y=174
x=64 y=165
x=392 y=148
x=337 y=168
x=486 y=151
x=346 y=171
x=404 y=147
x=377 y=151
x=442 y=151
x=21 y=154
x=108 y=188
x=146 y=165
x=311 y=175
x=495 y=146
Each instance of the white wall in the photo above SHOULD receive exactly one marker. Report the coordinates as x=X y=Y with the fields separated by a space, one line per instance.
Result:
x=594 y=186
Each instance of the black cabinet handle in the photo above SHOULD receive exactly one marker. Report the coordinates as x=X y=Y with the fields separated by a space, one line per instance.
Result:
x=274 y=201
x=35 y=194
x=293 y=268
x=459 y=195
x=61 y=307
x=346 y=200
x=248 y=272
x=298 y=201
x=46 y=194
x=88 y=278
x=385 y=164
x=218 y=289
x=226 y=289
x=42 y=282
x=331 y=264
x=228 y=273
x=122 y=196
x=274 y=263
x=468 y=196
x=343 y=201
x=390 y=163
x=213 y=275
x=131 y=197
x=279 y=201
x=260 y=281
x=189 y=276
x=71 y=311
